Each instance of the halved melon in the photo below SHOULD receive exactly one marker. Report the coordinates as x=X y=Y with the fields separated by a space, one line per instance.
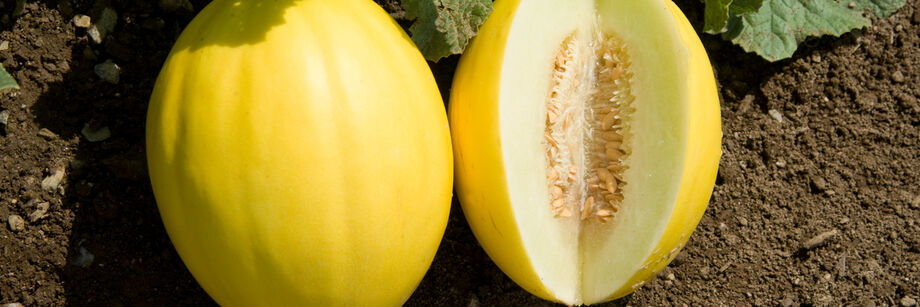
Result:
x=587 y=139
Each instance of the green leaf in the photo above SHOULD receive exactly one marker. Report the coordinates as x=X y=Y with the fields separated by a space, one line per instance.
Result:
x=718 y=12
x=776 y=29
x=7 y=81
x=716 y=16
x=745 y=6
x=412 y=8
x=445 y=27
x=880 y=8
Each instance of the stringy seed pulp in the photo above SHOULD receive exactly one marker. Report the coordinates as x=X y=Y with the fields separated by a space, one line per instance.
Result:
x=587 y=111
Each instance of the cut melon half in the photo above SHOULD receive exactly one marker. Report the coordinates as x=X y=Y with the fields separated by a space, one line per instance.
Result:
x=587 y=138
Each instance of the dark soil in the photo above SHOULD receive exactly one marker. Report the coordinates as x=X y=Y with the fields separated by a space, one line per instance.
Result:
x=844 y=162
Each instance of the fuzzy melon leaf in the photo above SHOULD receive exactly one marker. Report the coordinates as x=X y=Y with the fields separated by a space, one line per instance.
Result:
x=776 y=29
x=7 y=81
x=716 y=16
x=745 y=6
x=717 y=13
x=445 y=27
x=881 y=8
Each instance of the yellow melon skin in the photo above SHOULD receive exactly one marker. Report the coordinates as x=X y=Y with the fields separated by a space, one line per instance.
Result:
x=482 y=184
x=299 y=154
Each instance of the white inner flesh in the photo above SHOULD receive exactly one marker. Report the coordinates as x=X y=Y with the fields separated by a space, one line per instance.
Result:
x=584 y=261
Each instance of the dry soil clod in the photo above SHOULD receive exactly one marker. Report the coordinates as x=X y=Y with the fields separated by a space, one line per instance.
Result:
x=820 y=239
x=47 y=134
x=41 y=211
x=82 y=21
x=16 y=223
x=53 y=182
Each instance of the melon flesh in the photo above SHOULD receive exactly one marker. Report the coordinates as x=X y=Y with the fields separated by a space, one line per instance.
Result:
x=586 y=136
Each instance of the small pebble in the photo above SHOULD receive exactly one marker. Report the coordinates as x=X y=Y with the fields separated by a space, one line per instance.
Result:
x=53 y=182
x=12 y=305
x=820 y=239
x=670 y=276
x=84 y=259
x=16 y=223
x=819 y=183
x=41 y=211
x=746 y=104
x=742 y=221
x=47 y=134
x=777 y=115
x=897 y=76
x=96 y=135
x=781 y=163
x=82 y=21
x=913 y=203
x=94 y=34
x=851 y=4
x=816 y=58
x=908 y=301
x=108 y=71
x=4 y=117
x=106 y=22
x=4 y=45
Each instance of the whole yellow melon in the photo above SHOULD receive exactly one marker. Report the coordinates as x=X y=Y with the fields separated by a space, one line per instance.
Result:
x=299 y=154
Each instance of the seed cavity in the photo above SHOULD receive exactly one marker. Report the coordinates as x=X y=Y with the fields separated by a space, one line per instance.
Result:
x=587 y=133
